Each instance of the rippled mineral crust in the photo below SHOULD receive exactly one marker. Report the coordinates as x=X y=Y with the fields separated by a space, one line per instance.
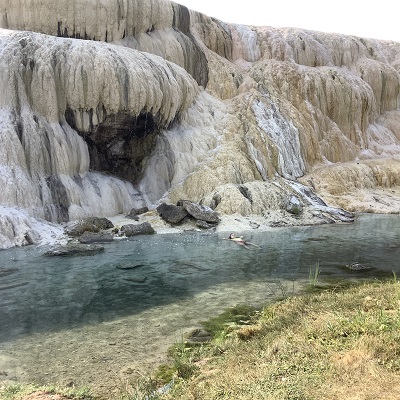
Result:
x=111 y=105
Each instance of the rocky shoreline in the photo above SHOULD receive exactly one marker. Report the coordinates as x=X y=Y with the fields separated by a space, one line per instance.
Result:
x=83 y=235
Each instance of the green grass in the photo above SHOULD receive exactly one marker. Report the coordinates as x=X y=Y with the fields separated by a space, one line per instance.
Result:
x=229 y=320
x=313 y=275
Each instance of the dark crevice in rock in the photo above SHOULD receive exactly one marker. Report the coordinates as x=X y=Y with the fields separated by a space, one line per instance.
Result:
x=195 y=60
x=73 y=35
x=216 y=36
x=215 y=201
x=245 y=192
x=121 y=143
x=19 y=129
x=181 y=19
x=60 y=200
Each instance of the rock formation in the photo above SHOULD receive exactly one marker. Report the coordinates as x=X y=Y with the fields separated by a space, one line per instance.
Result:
x=113 y=105
x=139 y=229
x=74 y=250
x=171 y=213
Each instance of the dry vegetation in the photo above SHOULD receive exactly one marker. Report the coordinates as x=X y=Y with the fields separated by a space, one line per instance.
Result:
x=332 y=345
x=34 y=392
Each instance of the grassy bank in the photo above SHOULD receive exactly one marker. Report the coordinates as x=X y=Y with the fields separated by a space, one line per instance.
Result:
x=336 y=344
x=332 y=344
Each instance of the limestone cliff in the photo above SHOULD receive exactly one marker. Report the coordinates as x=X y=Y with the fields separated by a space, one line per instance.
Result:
x=106 y=105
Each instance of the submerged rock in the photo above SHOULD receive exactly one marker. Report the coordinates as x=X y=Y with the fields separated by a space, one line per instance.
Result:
x=74 y=250
x=358 y=267
x=7 y=271
x=13 y=286
x=128 y=266
x=140 y=229
x=136 y=280
x=96 y=237
x=199 y=336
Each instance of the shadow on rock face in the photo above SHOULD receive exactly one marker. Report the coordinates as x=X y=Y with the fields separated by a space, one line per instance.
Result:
x=120 y=144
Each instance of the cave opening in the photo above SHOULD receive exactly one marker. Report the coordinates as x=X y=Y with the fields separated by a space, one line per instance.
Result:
x=121 y=144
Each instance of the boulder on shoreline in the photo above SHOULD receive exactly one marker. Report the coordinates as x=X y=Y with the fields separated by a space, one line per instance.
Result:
x=91 y=224
x=74 y=250
x=205 y=217
x=171 y=213
x=96 y=237
x=135 y=212
x=140 y=229
x=205 y=225
x=199 y=212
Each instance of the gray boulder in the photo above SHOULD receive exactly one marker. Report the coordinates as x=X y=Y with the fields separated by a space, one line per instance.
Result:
x=139 y=229
x=199 y=212
x=90 y=224
x=74 y=250
x=135 y=212
x=32 y=237
x=96 y=237
x=171 y=213
x=204 y=225
x=293 y=205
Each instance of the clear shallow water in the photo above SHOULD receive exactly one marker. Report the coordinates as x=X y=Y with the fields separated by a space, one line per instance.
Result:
x=102 y=320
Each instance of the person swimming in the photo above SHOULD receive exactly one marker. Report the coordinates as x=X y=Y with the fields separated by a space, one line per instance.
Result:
x=239 y=240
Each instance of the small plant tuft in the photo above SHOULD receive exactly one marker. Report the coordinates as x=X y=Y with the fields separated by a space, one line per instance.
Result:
x=183 y=359
x=248 y=332
x=313 y=275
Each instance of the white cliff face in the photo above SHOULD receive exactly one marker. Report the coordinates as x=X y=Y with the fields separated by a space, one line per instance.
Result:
x=45 y=163
x=160 y=27
x=107 y=105
x=184 y=149
x=97 y=20
x=93 y=79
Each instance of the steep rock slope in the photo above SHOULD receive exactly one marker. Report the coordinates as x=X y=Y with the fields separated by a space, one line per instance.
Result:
x=175 y=104
x=70 y=109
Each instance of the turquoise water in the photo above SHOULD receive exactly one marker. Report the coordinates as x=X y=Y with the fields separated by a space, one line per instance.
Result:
x=140 y=294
